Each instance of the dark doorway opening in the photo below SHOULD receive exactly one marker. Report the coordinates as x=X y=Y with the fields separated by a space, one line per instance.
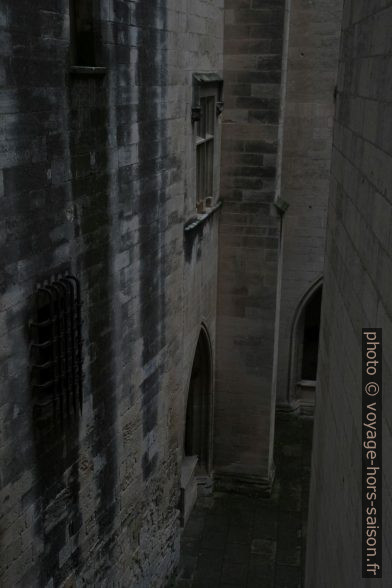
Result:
x=197 y=423
x=196 y=463
x=304 y=351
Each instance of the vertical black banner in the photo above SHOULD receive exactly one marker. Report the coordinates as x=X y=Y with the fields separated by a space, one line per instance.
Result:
x=372 y=453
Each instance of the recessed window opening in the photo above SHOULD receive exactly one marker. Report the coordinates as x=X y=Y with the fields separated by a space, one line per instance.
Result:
x=205 y=151
x=56 y=349
x=207 y=106
x=83 y=38
x=311 y=336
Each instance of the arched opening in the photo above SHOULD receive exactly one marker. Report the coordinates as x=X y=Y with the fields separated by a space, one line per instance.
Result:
x=196 y=463
x=310 y=338
x=197 y=423
x=304 y=353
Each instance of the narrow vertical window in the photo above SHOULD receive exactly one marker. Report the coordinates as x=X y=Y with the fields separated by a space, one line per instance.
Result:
x=205 y=112
x=83 y=41
x=205 y=152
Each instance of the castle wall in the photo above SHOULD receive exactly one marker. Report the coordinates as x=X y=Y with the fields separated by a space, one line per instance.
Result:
x=356 y=295
x=308 y=109
x=98 y=179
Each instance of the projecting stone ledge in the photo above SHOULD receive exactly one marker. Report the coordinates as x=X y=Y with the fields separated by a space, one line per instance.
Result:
x=200 y=219
x=244 y=483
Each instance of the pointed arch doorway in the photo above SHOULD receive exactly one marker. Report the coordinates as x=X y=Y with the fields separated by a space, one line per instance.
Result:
x=304 y=350
x=197 y=449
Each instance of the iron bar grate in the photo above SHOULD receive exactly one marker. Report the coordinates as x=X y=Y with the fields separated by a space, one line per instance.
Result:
x=56 y=348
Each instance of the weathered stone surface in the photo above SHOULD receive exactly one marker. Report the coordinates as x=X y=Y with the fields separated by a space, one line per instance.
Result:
x=248 y=244
x=97 y=176
x=247 y=542
x=313 y=32
x=357 y=295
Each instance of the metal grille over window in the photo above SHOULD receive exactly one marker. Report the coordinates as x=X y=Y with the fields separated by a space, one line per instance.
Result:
x=56 y=348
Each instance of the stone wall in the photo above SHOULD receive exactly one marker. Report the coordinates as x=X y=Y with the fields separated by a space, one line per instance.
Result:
x=357 y=294
x=98 y=177
x=313 y=46
x=248 y=242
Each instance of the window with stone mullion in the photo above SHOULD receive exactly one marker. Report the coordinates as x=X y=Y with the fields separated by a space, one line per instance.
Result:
x=205 y=149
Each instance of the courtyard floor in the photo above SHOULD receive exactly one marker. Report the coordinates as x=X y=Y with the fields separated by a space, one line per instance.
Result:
x=245 y=542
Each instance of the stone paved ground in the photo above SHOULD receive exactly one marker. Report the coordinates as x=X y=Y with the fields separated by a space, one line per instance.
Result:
x=246 y=542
